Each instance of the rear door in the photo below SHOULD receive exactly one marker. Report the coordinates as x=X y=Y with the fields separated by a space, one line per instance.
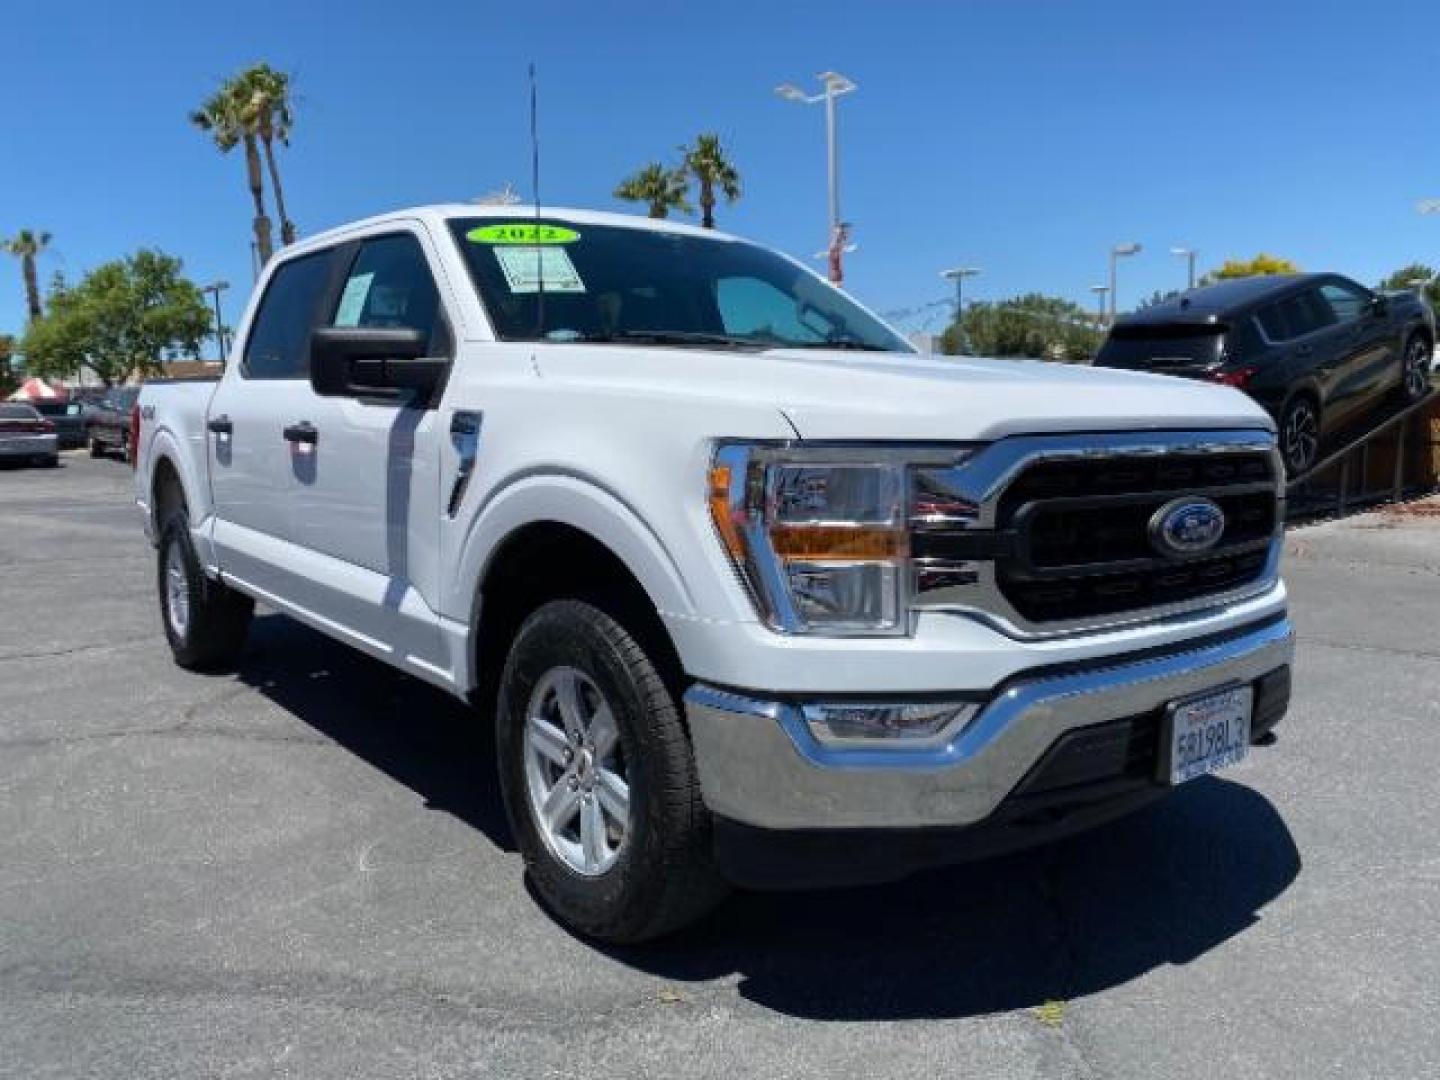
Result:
x=1303 y=329
x=249 y=455
x=364 y=485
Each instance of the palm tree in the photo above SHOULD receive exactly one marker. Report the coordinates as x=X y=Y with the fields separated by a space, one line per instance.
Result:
x=267 y=110
x=27 y=245
x=661 y=188
x=223 y=117
x=707 y=163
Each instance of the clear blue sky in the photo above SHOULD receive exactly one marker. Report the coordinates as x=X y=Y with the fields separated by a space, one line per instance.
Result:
x=1023 y=137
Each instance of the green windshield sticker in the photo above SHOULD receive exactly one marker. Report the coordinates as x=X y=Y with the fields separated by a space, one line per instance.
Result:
x=522 y=232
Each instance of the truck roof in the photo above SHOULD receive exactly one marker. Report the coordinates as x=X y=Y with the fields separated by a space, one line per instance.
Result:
x=440 y=213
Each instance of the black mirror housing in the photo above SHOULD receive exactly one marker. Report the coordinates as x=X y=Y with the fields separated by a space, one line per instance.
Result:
x=366 y=361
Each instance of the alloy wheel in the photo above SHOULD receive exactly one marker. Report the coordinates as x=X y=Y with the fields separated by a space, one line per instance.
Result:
x=1417 y=370
x=575 y=772
x=1302 y=436
x=177 y=590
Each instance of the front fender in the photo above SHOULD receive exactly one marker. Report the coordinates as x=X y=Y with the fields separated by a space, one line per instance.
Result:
x=579 y=503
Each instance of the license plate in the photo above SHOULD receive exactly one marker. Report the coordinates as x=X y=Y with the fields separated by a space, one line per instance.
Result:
x=1207 y=733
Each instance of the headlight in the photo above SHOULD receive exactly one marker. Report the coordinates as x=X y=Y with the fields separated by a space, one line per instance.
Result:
x=820 y=535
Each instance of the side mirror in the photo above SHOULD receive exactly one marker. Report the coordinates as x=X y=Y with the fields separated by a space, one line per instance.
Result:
x=365 y=361
x=1379 y=304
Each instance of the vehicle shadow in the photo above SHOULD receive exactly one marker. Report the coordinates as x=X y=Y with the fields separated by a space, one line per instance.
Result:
x=409 y=730
x=1163 y=886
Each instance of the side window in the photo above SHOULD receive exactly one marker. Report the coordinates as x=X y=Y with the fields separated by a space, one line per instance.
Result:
x=751 y=307
x=1269 y=319
x=1347 y=302
x=276 y=348
x=389 y=285
x=1304 y=313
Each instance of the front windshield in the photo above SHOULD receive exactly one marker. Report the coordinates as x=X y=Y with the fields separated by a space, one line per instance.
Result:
x=605 y=283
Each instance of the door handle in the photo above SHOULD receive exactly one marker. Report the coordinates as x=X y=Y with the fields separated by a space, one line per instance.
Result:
x=1305 y=350
x=303 y=432
x=221 y=425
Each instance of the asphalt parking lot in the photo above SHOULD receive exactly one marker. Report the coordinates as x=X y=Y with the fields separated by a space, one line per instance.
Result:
x=302 y=870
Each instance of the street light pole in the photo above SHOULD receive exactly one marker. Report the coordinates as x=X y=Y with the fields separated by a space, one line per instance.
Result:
x=1099 y=291
x=215 y=288
x=958 y=275
x=834 y=84
x=1116 y=253
x=1188 y=254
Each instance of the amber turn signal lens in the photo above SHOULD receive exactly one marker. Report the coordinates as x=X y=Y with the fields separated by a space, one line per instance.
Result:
x=821 y=543
x=721 y=514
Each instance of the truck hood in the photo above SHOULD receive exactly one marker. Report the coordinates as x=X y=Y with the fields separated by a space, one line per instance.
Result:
x=851 y=395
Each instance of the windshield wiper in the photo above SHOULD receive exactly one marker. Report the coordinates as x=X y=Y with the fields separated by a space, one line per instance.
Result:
x=839 y=344
x=679 y=337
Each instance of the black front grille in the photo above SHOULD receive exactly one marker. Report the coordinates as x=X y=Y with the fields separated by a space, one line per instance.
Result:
x=1082 y=528
x=1180 y=474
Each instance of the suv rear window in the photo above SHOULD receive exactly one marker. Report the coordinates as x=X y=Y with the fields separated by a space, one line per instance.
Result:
x=1161 y=346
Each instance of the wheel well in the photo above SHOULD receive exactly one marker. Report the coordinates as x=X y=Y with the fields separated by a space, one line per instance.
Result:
x=167 y=493
x=1423 y=333
x=548 y=561
x=1308 y=392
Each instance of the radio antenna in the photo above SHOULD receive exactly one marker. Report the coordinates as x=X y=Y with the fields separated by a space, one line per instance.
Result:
x=535 y=190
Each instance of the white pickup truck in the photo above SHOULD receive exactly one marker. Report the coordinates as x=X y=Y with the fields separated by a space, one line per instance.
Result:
x=753 y=594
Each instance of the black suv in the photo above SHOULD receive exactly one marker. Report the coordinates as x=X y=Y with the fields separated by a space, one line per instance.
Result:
x=1317 y=350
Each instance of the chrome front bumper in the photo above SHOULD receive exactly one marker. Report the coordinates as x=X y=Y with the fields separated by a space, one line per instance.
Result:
x=760 y=765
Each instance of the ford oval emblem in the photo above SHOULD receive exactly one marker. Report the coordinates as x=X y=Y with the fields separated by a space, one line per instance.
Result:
x=1186 y=526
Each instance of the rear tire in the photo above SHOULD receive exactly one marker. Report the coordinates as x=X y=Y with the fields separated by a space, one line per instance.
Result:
x=97 y=448
x=1300 y=435
x=599 y=780
x=205 y=621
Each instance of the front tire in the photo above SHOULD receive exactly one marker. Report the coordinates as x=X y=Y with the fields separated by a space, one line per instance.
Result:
x=205 y=621
x=599 y=780
x=1415 y=369
x=1300 y=435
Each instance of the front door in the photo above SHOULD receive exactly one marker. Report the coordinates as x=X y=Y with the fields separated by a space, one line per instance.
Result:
x=363 y=472
x=1367 y=340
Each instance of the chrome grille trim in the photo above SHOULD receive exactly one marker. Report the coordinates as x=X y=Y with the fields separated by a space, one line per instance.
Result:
x=984 y=478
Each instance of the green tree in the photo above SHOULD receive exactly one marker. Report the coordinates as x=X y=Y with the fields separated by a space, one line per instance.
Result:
x=1260 y=266
x=661 y=189
x=229 y=118
x=124 y=317
x=1406 y=278
x=706 y=162
x=1034 y=325
x=1155 y=298
x=7 y=377
x=28 y=245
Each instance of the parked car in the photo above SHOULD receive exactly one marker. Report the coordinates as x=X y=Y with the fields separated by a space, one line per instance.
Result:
x=754 y=594
x=25 y=434
x=1318 y=351
x=68 y=418
x=107 y=421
